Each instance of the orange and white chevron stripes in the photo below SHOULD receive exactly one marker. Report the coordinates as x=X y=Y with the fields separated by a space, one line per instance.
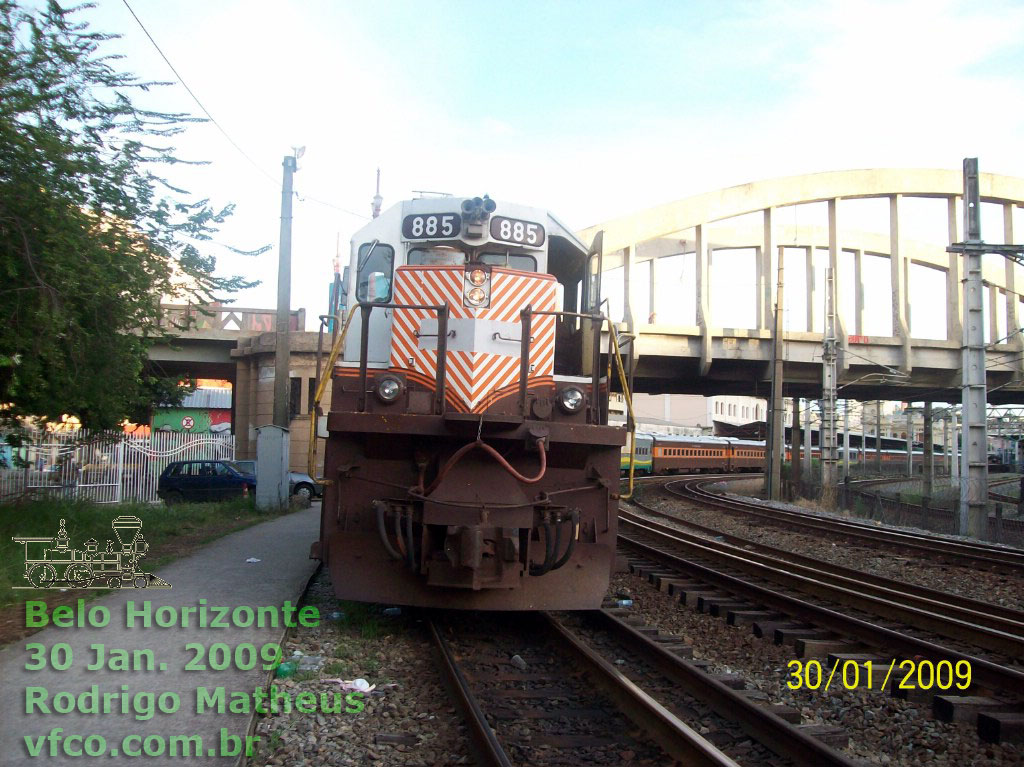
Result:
x=475 y=377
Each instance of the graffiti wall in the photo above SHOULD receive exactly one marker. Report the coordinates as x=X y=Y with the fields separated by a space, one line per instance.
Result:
x=193 y=420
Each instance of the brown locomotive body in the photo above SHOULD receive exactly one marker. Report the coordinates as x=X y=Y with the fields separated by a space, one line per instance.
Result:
x=469 y=463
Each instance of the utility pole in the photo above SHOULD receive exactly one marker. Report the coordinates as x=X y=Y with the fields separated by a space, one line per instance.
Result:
x=775 y=447
x=827 y=430
x=282 y=347
x=974 y=474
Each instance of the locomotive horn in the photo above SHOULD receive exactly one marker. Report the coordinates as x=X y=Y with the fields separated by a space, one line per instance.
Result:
x=467 y=206
x=489 y=204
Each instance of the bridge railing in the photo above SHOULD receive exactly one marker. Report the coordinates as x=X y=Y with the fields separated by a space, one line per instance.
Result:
x=190 y=317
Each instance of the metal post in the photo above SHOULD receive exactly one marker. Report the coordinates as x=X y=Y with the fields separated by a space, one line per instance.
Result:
x=776 y=426
x=795 y=463
x=808 y=441
x=827 y=430
x=282 y=350
x=863 y=441
x=929 y=451
x=910 y=441
x=878 y=436
x=954 y=453
x=945 y=442
x=846 y=438
x=974 y=492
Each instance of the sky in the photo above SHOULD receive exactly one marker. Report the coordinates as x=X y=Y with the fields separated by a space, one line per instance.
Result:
x=591 y=109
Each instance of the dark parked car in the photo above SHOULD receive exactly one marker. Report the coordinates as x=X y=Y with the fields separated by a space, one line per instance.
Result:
x=204 y=481
x=299 y=483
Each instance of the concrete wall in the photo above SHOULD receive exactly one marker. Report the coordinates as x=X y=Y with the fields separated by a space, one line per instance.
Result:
x=254 y=393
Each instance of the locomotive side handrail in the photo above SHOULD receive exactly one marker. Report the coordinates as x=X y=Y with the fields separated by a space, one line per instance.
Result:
x=442 y=347
x=613 y=337
x=339 y=341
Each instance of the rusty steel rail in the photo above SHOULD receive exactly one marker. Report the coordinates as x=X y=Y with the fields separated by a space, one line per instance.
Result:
x=486 y=742
x=983 y=613
x=930 y=546
x=677 y=739
x=886 y=602
x=761 y=724
x=984 y=672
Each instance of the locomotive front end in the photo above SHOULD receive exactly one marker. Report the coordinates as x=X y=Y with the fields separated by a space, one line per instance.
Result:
x=469 y=462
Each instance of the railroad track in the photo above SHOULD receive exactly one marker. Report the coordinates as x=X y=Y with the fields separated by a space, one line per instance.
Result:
x=565 y=702
x=974 y=554
x=748 y=585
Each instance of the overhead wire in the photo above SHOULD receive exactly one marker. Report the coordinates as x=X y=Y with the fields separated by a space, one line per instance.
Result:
x=212 y=119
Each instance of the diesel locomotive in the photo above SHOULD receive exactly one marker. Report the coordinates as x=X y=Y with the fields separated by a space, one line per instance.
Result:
x=469 y=462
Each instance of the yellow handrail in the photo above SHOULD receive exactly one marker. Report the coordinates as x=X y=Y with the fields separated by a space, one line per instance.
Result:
x=314 y=406
x=631 y=421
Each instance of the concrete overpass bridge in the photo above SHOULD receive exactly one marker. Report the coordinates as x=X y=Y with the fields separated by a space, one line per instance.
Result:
x=695 y=279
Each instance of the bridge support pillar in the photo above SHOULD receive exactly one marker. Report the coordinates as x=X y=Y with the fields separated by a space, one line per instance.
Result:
x=703 y=260
x=898 y=275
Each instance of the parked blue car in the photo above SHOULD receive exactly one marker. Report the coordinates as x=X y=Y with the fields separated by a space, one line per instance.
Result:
x=204 y=481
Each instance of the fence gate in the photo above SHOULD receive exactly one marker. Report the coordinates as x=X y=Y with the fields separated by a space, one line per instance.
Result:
x=106 y=467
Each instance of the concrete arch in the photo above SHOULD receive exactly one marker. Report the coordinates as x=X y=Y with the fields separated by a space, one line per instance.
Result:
x=663 y=220
x=702 y=358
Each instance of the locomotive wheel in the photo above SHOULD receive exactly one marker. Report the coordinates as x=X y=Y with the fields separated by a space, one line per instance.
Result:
x=141 y=581
x=114 y=581
x=42 y=576
x=78 y=575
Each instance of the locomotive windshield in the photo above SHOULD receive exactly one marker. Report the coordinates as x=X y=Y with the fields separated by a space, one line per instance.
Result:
x=520 y=261
x=440 y=256
x=373 y=276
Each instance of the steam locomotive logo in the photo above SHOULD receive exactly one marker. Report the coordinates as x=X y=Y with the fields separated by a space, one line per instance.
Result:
x=50 y=563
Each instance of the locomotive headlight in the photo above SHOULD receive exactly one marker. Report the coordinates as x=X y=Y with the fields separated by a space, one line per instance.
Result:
x=478 y=277
x=476 y=296
x=388 y=389
x=570 y=399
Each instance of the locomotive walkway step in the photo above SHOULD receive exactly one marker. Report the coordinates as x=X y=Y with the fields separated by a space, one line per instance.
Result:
x=217 y=573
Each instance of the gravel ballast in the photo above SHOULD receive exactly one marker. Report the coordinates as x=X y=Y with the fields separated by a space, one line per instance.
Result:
x=883 y=729
x=407 y=720
x=1005 y=590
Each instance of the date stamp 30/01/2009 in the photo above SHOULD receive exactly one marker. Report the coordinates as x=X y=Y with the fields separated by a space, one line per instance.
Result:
x=920 y=674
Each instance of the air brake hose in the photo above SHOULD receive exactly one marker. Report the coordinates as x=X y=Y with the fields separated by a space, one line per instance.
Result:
x=573 y=533
x=410 y=544
x=379 y=507
x=458 y=454
x=549 y=552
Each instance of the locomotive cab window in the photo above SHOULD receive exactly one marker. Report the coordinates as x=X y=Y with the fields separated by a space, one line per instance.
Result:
x=518 y=261
x=436 y=257
x=375 y=265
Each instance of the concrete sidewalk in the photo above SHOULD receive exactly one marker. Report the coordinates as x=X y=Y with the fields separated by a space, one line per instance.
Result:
x=217 y=573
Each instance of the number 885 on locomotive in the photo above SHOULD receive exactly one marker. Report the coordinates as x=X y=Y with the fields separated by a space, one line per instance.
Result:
x=469 y=461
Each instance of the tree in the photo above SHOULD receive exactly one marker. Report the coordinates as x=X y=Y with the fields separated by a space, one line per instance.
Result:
x=91 y=237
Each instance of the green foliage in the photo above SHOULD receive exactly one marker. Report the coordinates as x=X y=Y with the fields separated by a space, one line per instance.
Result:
x=91 y=236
